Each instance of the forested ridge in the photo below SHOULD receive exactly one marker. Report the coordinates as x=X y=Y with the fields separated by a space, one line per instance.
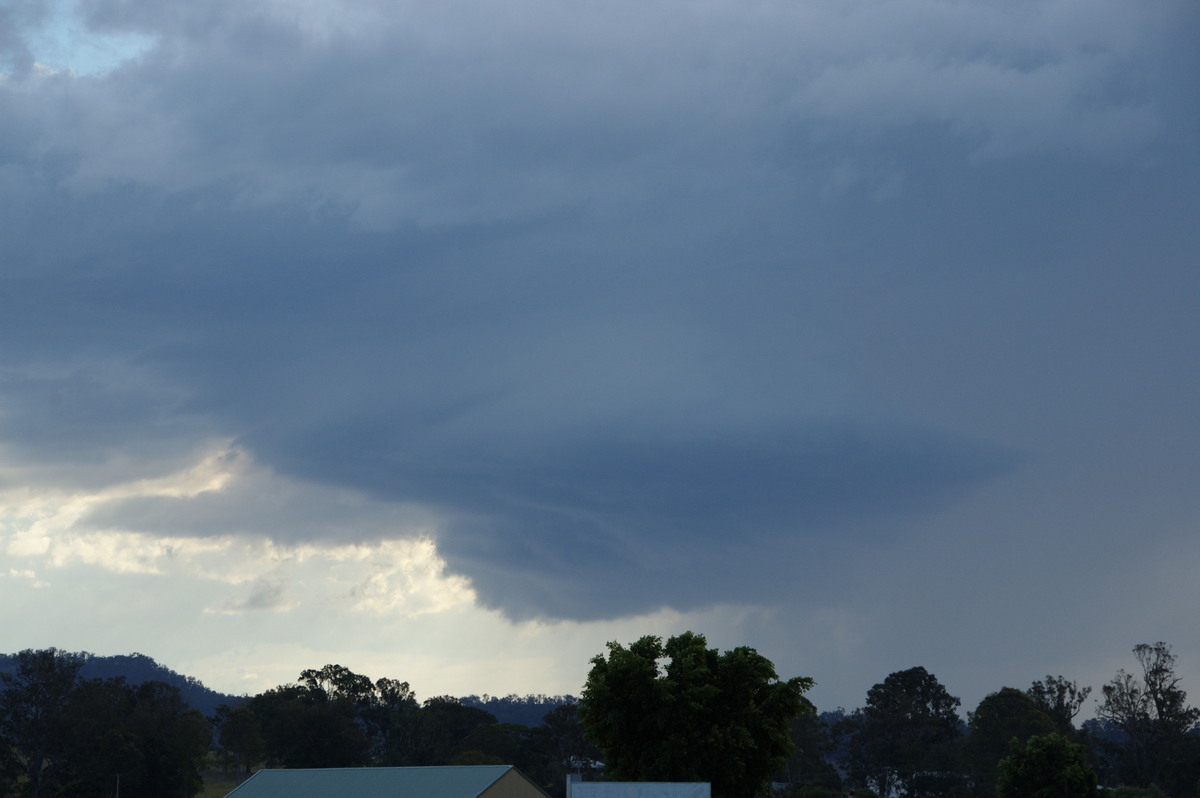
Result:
x=138 y=668
x=78 y=724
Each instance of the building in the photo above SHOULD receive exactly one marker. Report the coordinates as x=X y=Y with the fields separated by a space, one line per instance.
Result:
x=482 y=781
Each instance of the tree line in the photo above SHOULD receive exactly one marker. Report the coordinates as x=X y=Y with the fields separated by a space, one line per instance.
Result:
x=62 y=735
x=909 y=740
x=674 y=710
x=334 y=717
x=682 y=711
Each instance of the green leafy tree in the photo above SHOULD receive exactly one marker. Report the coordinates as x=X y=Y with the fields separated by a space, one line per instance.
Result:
x=1046 y=766
x=681 y=711
x=907 y=737
x=1153 y=714
x=1001 y=717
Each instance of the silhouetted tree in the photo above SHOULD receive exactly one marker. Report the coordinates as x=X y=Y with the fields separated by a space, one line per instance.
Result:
x=239 y=739
x=703 y=716
x=98 y=747
x=79 y=737
x=173 y=742
x=391 y=723
x=495 y=744
x=1000 y=718
x=303 y=728
x=560 y=746
x=337 y=683
x=1061 y=699
x=32 y=710
x=442 y=725
x=1153 y=714
x=908 y=736
x=808 y=770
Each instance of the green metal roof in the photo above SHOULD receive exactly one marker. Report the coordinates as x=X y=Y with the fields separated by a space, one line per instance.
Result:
x=426 y=782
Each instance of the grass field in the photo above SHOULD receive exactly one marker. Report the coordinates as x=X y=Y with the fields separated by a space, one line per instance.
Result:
x=216 y=785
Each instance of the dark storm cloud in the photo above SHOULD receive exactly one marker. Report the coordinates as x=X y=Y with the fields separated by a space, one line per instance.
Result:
x=641 y=513
x=622 y=298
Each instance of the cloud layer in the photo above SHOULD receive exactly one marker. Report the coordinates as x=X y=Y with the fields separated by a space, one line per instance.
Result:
x=585 y=311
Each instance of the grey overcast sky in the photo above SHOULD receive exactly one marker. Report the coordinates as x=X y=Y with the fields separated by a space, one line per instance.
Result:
x=450 y=340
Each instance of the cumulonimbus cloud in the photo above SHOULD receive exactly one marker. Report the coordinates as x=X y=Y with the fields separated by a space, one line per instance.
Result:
x=576 y=285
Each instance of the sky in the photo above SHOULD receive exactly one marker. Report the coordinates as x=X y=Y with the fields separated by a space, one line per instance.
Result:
x=449 y=341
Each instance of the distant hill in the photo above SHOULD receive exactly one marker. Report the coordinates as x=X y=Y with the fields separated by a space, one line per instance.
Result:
x=526 y=710
x=138 y=668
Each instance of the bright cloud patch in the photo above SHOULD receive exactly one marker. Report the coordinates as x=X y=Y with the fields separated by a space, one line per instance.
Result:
x=402 y=577
x=48 y=530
